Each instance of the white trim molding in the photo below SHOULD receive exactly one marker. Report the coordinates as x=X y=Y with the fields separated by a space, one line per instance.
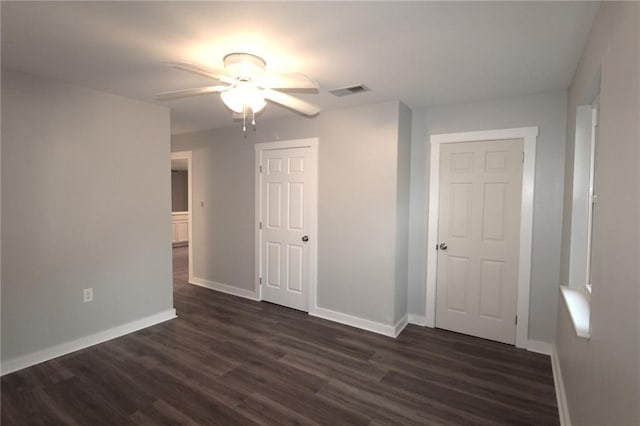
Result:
x=361 y=323
x=400 y=325
x=47 y=354
x=187 y=155
x=558 y=382
x=225 y=288
x=579 y=307
x=529 y=135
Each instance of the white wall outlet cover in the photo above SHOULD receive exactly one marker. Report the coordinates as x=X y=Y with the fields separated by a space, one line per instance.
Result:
x=87 y=295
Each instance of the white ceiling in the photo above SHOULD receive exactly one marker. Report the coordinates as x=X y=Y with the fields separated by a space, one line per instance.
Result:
x=422 y=53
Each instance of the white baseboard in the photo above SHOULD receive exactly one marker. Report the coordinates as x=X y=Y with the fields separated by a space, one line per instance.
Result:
x=225 y=288
x=43 y=355
x=400 y=325
x=353 y=321
x=561 y=396
x=420 y=320
x=550 y=349
x=540 y=347
x=364 y=324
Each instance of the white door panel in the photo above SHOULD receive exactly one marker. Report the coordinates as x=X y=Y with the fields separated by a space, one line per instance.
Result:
x=479 y=222
x=288 y=178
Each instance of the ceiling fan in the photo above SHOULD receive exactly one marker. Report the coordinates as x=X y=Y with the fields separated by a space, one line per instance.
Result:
x=247 y=86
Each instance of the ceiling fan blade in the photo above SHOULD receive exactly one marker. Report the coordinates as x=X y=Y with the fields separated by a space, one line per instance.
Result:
x=288 y=81
x=291 y=102
x=176 y=94
x=209 y=73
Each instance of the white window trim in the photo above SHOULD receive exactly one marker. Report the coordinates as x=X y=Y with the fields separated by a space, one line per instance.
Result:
x=529 y=135
x=579 y=307
x=577 y=295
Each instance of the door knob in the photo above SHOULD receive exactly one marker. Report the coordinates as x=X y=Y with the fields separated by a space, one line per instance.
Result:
x=305 y=238
x=443 y=246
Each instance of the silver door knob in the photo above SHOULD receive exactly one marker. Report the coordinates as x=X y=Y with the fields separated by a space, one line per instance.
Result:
x=443 y=246
x=305 y=238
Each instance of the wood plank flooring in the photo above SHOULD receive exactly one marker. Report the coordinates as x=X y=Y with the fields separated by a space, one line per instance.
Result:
x=231 y=361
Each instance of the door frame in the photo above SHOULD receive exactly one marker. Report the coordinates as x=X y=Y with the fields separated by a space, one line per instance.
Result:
x=187 y=155
x=529 y=135
x=313 y=225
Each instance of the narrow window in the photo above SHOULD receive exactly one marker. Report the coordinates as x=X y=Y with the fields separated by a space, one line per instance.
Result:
x=585 y=200
x=592 y=197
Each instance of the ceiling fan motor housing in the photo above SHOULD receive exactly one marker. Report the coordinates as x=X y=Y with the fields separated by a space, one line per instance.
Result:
x=244 y=66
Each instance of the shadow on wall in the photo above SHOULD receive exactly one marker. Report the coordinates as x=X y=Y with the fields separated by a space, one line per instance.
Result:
x=179 y=191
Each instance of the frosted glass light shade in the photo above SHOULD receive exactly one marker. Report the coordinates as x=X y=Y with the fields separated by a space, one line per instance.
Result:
x=244 y=95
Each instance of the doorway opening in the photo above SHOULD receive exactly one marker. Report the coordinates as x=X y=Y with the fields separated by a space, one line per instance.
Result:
x=181 y=218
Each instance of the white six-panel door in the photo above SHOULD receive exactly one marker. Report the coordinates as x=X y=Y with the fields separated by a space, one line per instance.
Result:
x=478 y=232
x=287 y=198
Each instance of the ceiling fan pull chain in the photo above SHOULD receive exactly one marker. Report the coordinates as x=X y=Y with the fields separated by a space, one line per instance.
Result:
x=244 y=120
x=253 y=119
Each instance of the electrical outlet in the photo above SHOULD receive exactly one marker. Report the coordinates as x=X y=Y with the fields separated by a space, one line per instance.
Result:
x=87 y=295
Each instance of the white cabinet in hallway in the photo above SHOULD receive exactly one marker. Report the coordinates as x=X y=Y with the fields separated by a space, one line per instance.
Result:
x=180 y=227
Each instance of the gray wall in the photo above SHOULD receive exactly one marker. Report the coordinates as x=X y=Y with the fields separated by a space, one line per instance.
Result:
x=548 y=112
x=602 y=375
x=402 y=226
x=179 y=191
x=69 y=224
x=357 y=211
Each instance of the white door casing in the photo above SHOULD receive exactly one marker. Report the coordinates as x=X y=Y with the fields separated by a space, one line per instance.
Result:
x=529 y=135
x=479 y=223
x=286 y=203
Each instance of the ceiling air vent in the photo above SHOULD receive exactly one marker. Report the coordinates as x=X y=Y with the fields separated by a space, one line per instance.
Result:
x=351 y=90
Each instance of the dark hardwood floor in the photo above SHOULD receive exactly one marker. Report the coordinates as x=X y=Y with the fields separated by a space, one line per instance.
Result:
x=227 y=361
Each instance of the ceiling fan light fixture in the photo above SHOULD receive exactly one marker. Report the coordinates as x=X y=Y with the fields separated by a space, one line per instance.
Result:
x=248 y=86
x=244 y=95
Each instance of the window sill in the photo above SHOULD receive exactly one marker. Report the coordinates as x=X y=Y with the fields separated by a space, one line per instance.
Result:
x=578 y=305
